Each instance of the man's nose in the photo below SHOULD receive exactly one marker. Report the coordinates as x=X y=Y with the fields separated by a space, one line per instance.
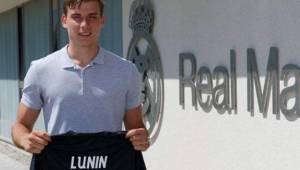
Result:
x=84 y=22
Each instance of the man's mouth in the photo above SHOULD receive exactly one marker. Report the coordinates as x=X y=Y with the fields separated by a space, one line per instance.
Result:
x=85 y=34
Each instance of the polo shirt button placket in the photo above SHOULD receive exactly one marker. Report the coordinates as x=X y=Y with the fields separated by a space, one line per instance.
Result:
x=82 y=81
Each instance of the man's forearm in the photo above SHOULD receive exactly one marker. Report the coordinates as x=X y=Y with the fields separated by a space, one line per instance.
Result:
x=18 y=132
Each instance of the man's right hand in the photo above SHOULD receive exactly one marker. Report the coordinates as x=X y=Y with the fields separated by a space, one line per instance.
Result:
x=23 y=134
x=35 y=141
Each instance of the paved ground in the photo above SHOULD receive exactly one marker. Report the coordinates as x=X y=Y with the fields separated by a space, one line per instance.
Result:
x=11 y=164
x=12 y=158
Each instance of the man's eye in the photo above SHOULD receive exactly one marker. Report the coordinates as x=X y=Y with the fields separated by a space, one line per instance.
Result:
x=76 y=17
x=93 y=17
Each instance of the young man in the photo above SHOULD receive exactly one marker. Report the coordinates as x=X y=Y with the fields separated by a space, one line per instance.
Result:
x=81 y=88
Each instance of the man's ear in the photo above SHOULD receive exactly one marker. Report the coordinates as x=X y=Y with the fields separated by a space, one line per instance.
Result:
x=103 y=20
x=63 y=20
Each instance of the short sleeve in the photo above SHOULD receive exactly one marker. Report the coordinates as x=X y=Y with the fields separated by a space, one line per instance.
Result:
x=133 y=96
x=31 y=96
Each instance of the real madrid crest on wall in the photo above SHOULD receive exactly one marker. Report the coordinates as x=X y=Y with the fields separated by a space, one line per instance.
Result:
x=144 y=53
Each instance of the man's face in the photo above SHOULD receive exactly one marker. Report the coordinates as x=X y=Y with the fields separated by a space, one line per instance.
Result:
x=84 y=24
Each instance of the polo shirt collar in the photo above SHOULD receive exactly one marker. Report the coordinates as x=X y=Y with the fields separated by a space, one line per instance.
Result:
x=99 y=59
x=67 y=62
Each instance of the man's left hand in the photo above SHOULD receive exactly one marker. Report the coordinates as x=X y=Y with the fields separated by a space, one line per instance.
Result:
x=138 y=138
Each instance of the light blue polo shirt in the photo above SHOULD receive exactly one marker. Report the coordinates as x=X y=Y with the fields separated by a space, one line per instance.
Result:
x=87 y=100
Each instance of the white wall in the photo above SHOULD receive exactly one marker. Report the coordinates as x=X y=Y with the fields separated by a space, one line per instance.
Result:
x=9 y=4
x=195 y=140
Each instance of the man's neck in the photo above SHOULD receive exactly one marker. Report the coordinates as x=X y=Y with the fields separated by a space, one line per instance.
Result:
x=82 y=56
